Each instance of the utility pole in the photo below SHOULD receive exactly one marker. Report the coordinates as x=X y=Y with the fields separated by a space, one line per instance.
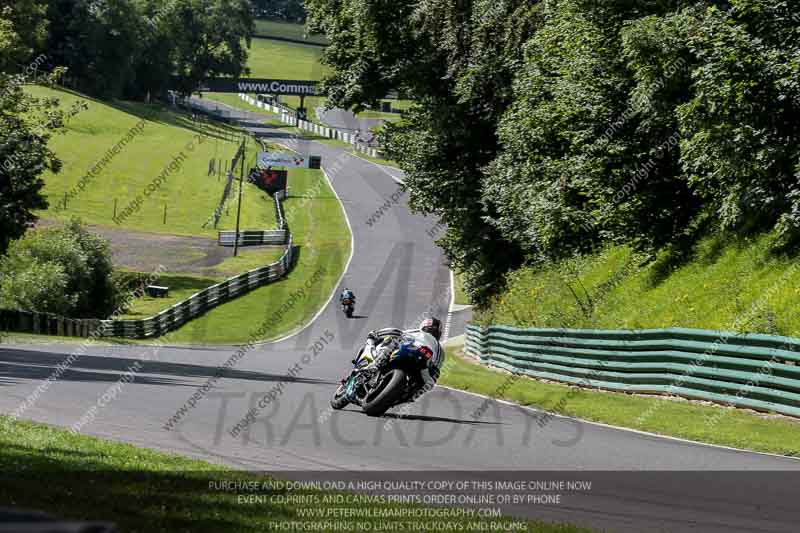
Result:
x=239 y=209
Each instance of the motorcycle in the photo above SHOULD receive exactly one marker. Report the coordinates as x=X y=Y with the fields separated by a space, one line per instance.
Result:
x=348 y=306
x=378 y=388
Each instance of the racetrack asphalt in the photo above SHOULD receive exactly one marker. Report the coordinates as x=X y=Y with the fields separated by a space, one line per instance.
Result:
x=346 y=120
x=397 y=273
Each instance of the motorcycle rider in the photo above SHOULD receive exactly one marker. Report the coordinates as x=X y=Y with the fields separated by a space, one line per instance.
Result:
x=347 y=294
x=381 y=343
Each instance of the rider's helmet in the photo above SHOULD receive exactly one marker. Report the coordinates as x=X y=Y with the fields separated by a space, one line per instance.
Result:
x=433 y=326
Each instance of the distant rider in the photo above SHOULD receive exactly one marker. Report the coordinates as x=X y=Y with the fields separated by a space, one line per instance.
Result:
x=347 y=294
x=382 y=342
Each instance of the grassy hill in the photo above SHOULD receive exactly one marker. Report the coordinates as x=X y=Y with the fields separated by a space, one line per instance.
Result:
x=291 y=61
x=287 y=30
x=723 y=284
x=278 y=59
x=271 y=58
x=189 y=194
x=321 y=236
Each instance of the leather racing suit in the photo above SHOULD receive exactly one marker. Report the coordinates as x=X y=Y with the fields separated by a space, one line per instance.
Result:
x=383 y=342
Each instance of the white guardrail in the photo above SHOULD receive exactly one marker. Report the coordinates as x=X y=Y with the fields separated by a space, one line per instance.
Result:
x=253 y=237
x=155 y=326
x=317 y=129
x=261 y=236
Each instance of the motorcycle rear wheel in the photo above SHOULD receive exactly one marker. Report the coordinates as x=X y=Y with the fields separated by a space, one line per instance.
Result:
x=386 y=394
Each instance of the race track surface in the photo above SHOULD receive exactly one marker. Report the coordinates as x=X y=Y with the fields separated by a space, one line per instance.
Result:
x=346 y=120
x=398 y=274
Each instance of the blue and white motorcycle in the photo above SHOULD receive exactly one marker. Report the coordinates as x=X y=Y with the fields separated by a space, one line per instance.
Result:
x=384 y=377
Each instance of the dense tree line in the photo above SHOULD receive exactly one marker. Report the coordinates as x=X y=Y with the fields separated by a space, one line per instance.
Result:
x=131 y=48
x=544 y=129
x=107 y=48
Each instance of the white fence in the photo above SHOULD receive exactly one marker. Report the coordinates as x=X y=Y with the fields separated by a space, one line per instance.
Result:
x=317 y=129
x=260 y=236
x=253 y=237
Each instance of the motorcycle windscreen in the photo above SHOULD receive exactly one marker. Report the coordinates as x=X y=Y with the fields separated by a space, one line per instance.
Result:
x=364 y=359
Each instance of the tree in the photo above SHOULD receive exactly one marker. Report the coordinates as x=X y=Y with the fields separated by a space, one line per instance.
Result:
x=544 y=130
x=66 y=271
x=131 y=48
x=456 y=60
x=25 y=27
x=40 y=287
x=591 y=141
x=26 y=124
x=211 y=38
x=742 y=138
x=100 y=41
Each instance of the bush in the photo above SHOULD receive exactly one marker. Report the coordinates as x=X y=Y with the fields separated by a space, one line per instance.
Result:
x=41 y=286
x=66 y=271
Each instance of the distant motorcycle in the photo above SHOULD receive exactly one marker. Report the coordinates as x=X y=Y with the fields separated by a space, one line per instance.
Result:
x=348 y=307
x=378 y=388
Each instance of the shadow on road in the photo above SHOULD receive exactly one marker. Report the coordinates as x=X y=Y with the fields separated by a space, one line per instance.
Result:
x=19 y=365
x=426 y=418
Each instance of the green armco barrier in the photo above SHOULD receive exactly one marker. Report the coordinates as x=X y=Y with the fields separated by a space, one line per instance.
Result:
x=756 y=371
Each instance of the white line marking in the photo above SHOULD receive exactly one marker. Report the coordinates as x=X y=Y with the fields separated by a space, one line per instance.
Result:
x=395 y=178
x=341 y=277
x=620 y=428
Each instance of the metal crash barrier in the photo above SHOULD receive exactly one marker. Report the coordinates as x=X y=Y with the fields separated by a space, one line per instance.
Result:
x=755 y=371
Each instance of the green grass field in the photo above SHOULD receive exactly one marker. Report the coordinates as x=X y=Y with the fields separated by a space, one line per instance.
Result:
x=322 y=244
x=279 y=59
x=317 y=222
x=269 y=58
x=378 y=160
x=84 y=478
x=461 y=297
x=688 y=420
x=727 y=284
x=287 y=30
x=391 y=117
x=182 y=287
x=189 y=194
x=396 y=104
x=291 y=61
x=234 y=100
x=316 y=219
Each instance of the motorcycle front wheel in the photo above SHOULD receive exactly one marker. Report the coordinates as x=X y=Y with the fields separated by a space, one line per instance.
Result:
x=339 y=400
x=385 y=395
